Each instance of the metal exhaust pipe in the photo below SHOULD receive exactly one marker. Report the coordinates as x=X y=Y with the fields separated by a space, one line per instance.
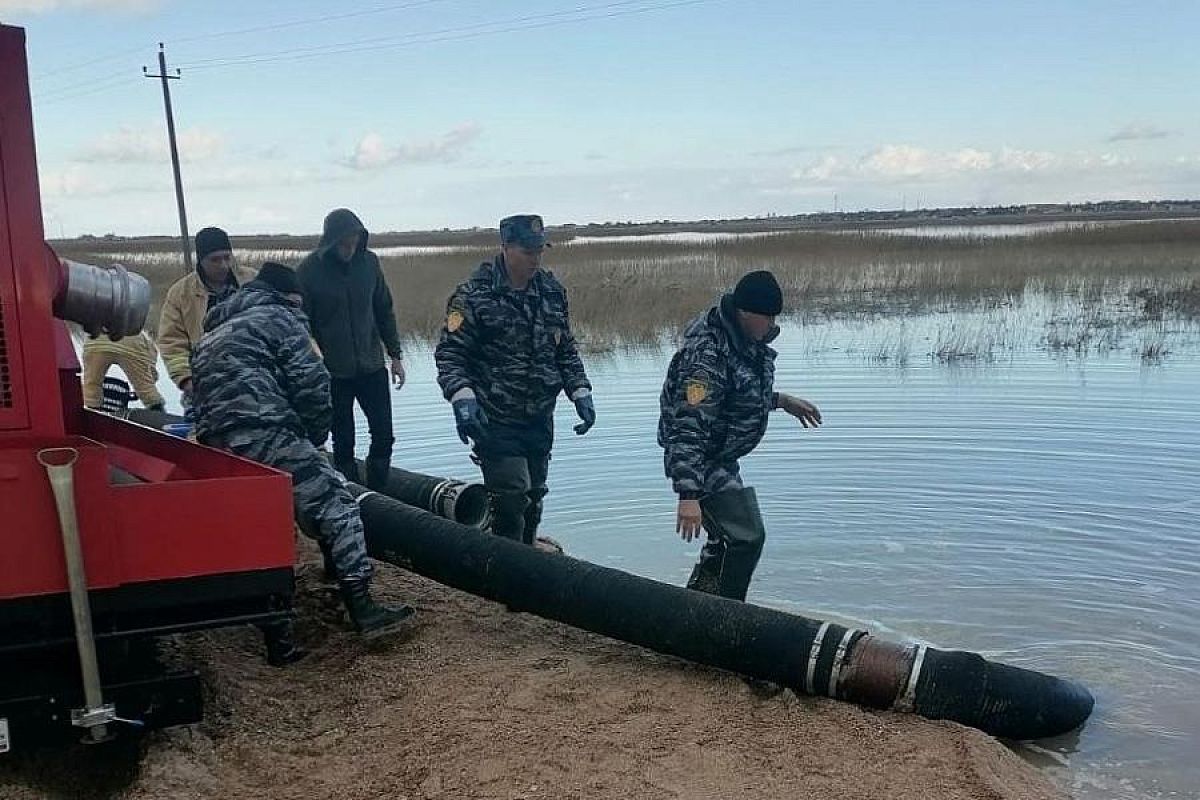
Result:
x=807 y=655
x=95 y=716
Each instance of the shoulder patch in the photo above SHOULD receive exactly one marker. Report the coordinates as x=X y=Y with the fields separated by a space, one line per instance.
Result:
x=454 y=320
x=695 y=390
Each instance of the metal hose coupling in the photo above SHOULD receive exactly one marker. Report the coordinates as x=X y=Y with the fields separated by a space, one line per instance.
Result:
x=113 y=301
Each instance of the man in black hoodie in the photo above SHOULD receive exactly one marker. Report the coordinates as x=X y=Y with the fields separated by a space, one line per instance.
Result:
x=350 y=308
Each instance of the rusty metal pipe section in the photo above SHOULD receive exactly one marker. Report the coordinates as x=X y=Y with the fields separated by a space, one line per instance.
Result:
x=810 y=656
x=112 y=301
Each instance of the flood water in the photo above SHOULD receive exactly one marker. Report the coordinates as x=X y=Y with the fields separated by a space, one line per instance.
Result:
x=1040 y=511
x=1034 y=508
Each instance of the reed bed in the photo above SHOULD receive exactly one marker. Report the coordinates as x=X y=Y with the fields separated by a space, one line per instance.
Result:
x=629 y=293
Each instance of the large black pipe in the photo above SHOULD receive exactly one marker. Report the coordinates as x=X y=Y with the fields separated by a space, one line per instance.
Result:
x=806 y=655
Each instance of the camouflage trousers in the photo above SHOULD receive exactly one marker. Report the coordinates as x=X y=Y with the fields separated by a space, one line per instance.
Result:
x=516 y=487
x=323 y=504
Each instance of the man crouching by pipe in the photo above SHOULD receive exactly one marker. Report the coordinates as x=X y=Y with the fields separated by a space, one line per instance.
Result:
x=714 y=406
x=261 y=391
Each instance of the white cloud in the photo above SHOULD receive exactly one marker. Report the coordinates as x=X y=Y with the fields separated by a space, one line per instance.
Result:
x=44 y=6
x=146 y=145
x=1139 y=131
x=373 y=151
x=908 y=163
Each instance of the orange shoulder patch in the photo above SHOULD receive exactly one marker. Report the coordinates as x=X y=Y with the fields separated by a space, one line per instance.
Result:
x=696 y=391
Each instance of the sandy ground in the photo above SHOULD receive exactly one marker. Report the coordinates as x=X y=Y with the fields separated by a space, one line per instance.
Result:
x=478 y=702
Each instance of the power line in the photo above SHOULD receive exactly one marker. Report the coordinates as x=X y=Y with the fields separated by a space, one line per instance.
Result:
x=71 y=87
x=468 y=32
x=308 y=21
x=126 y=81
x=129 y=51
x=98 y=60
x=355 y=43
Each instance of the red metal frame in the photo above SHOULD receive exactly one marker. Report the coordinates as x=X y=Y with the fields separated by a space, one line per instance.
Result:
x=192 y=512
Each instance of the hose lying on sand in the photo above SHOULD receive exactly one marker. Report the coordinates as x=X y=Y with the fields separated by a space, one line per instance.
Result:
x=804 y=654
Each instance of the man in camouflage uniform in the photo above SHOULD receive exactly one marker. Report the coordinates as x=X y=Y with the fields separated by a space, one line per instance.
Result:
x=262 y=392
x=714 y=406
x=505 y=353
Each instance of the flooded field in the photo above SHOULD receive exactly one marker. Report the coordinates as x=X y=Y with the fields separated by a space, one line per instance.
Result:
x=1008 y=462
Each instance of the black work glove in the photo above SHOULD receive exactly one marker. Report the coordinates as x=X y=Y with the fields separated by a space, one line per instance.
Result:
x=469 y=419
x=586 y=410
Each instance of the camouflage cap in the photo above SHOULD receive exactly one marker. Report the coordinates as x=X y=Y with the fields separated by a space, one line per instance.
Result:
x=525 y=230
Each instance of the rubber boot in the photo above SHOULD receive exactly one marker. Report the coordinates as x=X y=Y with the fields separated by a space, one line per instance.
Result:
x=508 y=514
x=371 y=619
x=282 y=649
x=706 y=575
x=732 y=518
x=377 y=472
x=328 y=567
x=533 y=516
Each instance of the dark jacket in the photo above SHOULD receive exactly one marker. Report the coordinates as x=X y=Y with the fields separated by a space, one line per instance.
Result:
x=254 y=368
x=514 y=349
x=719 y=391
x=348 y=304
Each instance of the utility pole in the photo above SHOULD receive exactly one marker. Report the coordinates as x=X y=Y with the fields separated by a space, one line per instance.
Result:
x=185 y=240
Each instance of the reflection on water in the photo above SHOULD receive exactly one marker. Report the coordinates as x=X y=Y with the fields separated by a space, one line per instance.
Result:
x=1038 y=510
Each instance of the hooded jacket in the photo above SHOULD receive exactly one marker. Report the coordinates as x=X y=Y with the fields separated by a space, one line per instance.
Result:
x=181 y=321
x=255 y=369
x=348 y=303
x=515 y=350
x=719 y=392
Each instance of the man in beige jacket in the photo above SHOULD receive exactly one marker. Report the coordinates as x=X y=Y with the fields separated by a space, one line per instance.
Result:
x=137 y=358
x=190 y=298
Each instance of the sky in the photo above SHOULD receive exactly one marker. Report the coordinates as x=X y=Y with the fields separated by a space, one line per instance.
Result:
x=430 y=114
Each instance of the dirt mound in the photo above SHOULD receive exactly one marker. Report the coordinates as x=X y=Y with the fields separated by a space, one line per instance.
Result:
x=482 y=703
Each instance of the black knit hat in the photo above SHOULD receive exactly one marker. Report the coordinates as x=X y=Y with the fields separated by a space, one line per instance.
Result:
x=759 y=293
x=279 y=277
x=210 y=240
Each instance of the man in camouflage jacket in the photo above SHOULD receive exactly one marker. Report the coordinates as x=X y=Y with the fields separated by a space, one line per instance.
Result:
x=719 y=392
x=506 y=351
x=261 y=391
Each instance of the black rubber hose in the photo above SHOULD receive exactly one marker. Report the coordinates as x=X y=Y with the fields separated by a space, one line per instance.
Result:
x=804 y=654
x=466 y=503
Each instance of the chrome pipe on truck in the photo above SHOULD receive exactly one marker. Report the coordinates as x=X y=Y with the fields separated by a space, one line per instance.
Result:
x=113 y=301
x=807 y=655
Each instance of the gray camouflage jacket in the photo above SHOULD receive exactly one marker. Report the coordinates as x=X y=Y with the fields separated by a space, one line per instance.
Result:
x=719 y=391
x=514 y=349
x=255 y=368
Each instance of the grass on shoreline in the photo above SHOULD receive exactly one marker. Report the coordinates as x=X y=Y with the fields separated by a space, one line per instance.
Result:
x=628 y=293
